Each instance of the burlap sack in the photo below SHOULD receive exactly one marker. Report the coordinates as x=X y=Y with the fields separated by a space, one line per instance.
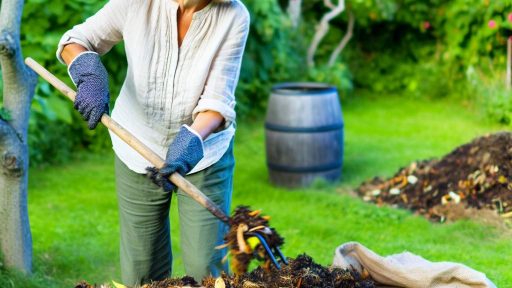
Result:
x=408 y=270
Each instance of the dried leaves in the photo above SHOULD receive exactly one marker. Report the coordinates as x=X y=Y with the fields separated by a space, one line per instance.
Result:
x=242 y=247
x=478 y=175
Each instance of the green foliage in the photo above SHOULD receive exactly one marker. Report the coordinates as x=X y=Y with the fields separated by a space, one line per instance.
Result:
x=13 y=279
x=491 y=95
x=461 y=31
x=426 y=48
x=56 y=130
x=470 y=36
x=273 y=54
x=499 y=104
x=338 y=75
x=276 y=52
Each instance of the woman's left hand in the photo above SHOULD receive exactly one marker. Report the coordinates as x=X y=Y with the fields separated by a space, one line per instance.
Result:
x=183 y=154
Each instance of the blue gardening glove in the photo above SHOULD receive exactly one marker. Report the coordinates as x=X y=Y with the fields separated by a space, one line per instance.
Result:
x=91 y=80
x=182 y=156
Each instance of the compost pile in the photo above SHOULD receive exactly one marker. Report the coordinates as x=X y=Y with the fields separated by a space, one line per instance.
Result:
x=475 y=175
x=301 y=272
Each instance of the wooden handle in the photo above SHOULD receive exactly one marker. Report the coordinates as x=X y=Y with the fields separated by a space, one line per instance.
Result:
x=135 y=143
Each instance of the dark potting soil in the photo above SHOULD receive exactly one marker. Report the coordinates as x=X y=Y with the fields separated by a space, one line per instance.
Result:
x=475 y=175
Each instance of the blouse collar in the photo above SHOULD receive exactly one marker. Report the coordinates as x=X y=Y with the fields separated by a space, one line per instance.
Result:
x=200 y=13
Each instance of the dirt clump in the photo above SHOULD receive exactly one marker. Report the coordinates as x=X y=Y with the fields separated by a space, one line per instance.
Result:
x=477 y=175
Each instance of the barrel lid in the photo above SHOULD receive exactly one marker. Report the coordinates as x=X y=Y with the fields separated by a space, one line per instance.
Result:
x=303 y=88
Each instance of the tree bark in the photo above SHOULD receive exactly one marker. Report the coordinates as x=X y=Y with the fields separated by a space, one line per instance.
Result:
x=294 y=11
x=323 y=28
x=344 y=40
x=19 y=83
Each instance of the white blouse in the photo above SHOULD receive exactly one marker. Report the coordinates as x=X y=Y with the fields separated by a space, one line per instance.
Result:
x=166 y=86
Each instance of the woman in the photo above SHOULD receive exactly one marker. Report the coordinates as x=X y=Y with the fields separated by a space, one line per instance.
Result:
x=178 y=97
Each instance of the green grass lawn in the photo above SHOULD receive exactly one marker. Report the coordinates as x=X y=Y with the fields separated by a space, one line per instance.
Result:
x=73 y=209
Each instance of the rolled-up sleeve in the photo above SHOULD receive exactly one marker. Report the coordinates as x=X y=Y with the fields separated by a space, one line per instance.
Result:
x=100 y=32
x=219 y=92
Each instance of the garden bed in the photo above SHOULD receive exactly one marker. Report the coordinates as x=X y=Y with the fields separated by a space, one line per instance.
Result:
x=474 y=178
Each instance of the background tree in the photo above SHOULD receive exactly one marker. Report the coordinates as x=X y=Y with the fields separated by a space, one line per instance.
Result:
x=323 y=27
x=18 y=89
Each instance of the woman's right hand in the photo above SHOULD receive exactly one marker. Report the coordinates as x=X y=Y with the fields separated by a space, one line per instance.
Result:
x=91 y=80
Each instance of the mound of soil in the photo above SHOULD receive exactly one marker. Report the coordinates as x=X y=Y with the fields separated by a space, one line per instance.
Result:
x=476 y=175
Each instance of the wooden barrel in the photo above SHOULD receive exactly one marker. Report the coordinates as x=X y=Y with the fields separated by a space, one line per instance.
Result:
x=304 y=134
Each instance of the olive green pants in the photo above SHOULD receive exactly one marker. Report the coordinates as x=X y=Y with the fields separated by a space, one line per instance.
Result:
x=145 y=229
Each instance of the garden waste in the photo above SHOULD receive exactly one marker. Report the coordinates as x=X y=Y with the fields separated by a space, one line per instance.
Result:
x=477 y=175
x=301 y=272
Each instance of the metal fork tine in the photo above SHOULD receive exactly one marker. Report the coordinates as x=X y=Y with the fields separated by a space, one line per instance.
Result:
x=267 y=248
x=278 y=251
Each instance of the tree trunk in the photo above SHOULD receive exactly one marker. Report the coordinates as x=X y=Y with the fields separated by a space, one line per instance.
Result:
x=344 y=40
x=294 y=11
x=323 y=27
x=19 y=83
